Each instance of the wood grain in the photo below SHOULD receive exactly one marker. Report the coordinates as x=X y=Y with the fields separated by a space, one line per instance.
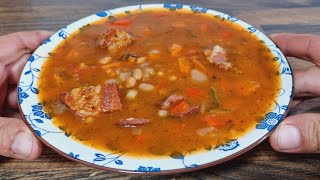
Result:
x=273 y=16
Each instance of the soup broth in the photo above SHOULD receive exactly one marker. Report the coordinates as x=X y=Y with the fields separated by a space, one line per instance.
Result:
x=156 y=82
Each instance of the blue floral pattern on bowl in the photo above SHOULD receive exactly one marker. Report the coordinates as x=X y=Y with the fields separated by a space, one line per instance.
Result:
x=54 y=137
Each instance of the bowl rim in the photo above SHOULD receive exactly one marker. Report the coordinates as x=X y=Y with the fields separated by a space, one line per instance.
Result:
x=251 y=145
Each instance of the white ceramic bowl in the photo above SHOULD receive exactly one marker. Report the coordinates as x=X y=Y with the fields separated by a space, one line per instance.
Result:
x=55 y=138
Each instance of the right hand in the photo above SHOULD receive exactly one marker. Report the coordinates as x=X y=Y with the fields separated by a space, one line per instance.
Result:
x=300 y=133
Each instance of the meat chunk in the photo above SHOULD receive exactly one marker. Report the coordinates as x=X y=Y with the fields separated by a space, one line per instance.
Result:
x=218 y=57
x=172 y=99
x=193 y=109
x=93 y=100
x=84 y=101
x=133 y=122
x=113 y=40
x=111 y=98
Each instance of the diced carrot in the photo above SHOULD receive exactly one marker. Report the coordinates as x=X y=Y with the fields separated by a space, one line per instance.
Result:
x=121 y=22
x=111 y=65
x=175 y=49
x=184 y=65
x=198 y=65
x=213 y=120
x=161 y=85
x=194 y=91
x=226 y=34
x=181 y=107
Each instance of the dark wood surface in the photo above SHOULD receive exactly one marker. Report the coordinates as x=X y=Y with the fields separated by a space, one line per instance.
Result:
x=297 y=16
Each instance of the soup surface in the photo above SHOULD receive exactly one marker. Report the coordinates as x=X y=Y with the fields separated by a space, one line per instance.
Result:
x=157 y=82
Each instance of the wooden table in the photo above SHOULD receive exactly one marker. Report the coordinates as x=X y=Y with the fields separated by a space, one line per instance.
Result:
x=298 y=16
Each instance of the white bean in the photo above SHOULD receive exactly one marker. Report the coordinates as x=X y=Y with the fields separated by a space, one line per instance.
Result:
x=150 y=71
x=105 y=60
x=198 y=76
x=137 y=74
x=130 y=82
x=141 y=60
x=131 y=94
x=124 y=76
x=146 y=87
x=162 y=113
x=205 y=131
x=112 y=81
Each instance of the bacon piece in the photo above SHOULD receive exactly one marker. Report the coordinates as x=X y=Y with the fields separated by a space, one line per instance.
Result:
x=218 y=57
x=84 y=101
x=93 y=100
x=114 y=40
x=172 y=99
x=193 y=109
x=111 y=98
x=133 y=122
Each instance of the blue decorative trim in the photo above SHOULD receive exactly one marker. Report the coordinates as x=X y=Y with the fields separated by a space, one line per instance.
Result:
x=148 y=169
x=180 y=156
x=229 y=145
x=75 y=156
x=232 y=18
x=270 y=121
x=197 y=9
x=173 y=6
x=103 y=159
x=31 y=71
x=102 y=14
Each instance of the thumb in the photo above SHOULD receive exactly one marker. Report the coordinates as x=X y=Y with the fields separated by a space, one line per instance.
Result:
x=17 y=141
x=298 y=134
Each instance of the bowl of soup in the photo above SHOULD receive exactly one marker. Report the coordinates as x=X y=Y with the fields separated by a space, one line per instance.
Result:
x=156 y=88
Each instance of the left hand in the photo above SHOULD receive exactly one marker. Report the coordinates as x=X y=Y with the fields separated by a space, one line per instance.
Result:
x=16 y=139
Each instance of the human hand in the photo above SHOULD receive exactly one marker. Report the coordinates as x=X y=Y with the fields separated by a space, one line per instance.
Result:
x=300 y=133
x=16 y=139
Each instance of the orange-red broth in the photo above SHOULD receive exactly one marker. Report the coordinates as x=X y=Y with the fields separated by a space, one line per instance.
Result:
x=240 y=107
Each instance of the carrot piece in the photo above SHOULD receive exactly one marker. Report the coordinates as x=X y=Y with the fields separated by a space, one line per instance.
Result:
x=194 y=91
x=181 y=107
x=184 y=65
x=121 y=22
x=112 y=65
x=213 y=120
x=161 y=85
x=198 y=65
x=175 y=49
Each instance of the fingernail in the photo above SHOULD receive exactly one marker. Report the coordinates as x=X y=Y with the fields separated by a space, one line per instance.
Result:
x=22 y=144
x=289 y=137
